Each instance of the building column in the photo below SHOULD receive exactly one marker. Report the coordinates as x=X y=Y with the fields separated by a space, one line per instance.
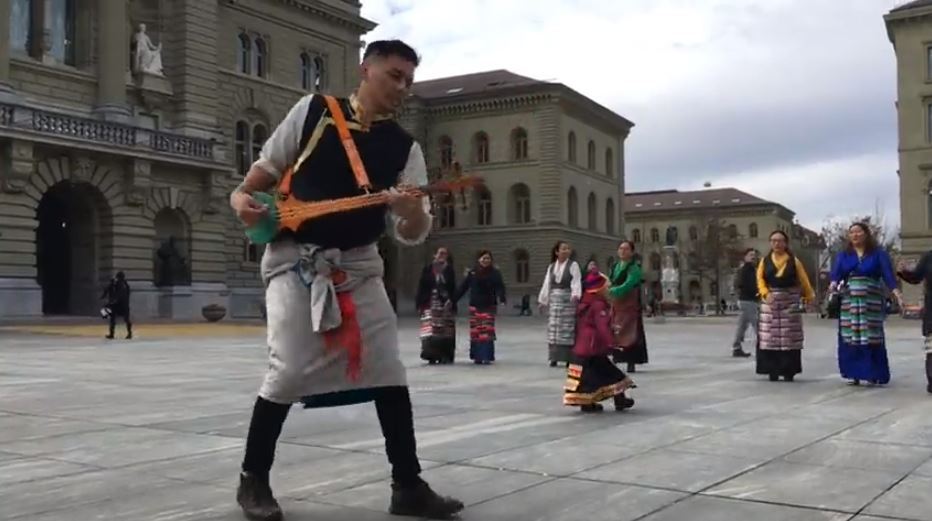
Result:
x=113 y=47
x=5 y=12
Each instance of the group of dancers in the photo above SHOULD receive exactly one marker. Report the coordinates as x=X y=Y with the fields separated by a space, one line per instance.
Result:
x=594 y=319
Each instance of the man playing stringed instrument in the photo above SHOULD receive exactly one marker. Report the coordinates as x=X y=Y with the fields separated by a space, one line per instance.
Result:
x=332 y=333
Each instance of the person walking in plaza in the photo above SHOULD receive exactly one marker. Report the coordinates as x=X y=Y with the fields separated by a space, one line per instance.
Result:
x=861 y=272
x=748 y=302
x=332 y=333
x=627 y=319
x=921 y=273
x=486 y=290
x=117 y=294
x=438 y=312
x=591 y=377
x=784 y=286
x=560 y=292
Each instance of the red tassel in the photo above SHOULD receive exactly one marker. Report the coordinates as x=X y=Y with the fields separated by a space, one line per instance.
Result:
x=348 y=335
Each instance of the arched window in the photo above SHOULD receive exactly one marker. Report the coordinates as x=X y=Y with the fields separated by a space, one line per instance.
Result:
x=242 y=150
x=481 y=147
x=484 y=206
x=636 y=235
x=319 y=74
x=572 y=208
x=519 y=144
x=732 y=231
x=244 y=54
x=447 y=211
x=654 y=235
x=591 y=149
x=610 y=216
x=655 y=261
x=307 y=72
x=522 y=266
x=259 y=135
x=260 y=58
x=693 y=233
x=752 y=230
x=520 y=204
x=446 y=152
x=571 y=147
x=592 y=211
x=609 y=162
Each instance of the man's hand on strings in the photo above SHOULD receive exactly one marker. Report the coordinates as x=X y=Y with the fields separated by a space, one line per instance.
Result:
x=247 y=209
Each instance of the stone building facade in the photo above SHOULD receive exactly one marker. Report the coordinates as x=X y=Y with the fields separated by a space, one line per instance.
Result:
x=107 y=165
x=553 y=163
x=652 y=217
x=909 y=28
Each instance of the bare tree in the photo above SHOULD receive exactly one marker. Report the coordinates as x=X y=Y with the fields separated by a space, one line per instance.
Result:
x=717 y=248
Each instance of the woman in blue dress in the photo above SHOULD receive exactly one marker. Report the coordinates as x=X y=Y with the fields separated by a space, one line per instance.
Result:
x=863 y=273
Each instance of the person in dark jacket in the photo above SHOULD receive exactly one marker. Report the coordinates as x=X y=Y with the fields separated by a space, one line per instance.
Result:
x=748 y=301
x=486 y=290
x=117 y=295
x=438 y=314
x=921 y=273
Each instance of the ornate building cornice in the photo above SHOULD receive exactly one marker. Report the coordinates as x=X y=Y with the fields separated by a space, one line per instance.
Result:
x=344 y=18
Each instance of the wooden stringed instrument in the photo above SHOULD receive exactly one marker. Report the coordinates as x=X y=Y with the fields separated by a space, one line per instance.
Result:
x=290 y=213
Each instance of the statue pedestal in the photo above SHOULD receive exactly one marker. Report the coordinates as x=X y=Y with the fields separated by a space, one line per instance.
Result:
x=176 y=303
x=154 y=89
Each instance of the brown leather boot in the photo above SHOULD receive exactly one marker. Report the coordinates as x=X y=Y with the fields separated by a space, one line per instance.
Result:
x=255 y=497
x=420 y=501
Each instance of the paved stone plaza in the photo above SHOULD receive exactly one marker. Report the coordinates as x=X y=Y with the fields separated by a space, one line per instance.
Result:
x=153 y=429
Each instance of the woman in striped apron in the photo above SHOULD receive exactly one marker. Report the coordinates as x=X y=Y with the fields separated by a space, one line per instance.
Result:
x=784 y=286
x=486 y=290
x=861 y=272
x=560 y=292
x=438 y=314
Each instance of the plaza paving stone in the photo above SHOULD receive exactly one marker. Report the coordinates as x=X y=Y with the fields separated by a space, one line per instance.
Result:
x=153 y=428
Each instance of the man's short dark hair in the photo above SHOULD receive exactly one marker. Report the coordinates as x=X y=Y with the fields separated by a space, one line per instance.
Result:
x=749 y=250
x=386 y=48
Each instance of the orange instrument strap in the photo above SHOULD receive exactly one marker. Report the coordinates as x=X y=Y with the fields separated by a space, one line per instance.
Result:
x=359 y=170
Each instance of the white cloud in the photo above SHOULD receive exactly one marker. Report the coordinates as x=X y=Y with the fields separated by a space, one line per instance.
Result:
x=720 y=90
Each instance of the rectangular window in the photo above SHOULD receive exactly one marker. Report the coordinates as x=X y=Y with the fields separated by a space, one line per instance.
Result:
x=929 y=122
x=62 y=30
x=21 y=17
x=929 y=62
x=252 y=253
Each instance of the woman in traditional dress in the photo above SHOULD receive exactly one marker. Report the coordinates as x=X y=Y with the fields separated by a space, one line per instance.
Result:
x=592 y=377
x=560 y=293
x=627 y=321
x=784 y=286
x=486 y=290
x=438 y=313
x=860 y=273
x=921 y=273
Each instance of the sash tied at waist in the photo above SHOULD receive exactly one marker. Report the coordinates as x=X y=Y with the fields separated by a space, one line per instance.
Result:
x=331 y=276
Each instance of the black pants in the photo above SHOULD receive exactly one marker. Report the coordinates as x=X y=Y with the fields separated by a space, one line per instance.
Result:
x=929 y=369
x=393 y=406
x=121 y=313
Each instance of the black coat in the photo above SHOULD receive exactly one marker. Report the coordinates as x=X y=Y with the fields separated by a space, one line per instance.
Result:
x=746 y=282
x=486 y=288
x=117 y=295
x=922 y=274
x=428 y=283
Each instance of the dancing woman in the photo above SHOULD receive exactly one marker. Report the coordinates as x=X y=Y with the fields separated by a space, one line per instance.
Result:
x=627 y=321
x=560 y=293
x=782 y=283
x=592 y=377
x=861 y=270
x=486 y=290
x=438 y=313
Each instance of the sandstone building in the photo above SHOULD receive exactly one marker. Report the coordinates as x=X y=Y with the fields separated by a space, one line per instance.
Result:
x=745 y=220
x=119 y=145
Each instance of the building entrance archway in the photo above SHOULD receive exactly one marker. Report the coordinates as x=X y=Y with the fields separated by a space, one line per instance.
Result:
x=71 y=238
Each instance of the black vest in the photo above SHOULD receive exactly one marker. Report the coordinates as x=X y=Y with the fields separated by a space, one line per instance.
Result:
x=326 y=174
x=787 y=280
x=566 y=281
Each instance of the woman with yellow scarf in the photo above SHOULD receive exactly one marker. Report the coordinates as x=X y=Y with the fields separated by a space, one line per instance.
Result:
x=784 y=287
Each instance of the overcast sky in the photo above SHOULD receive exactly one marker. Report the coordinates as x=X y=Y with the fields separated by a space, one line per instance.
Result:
x=791 y=100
